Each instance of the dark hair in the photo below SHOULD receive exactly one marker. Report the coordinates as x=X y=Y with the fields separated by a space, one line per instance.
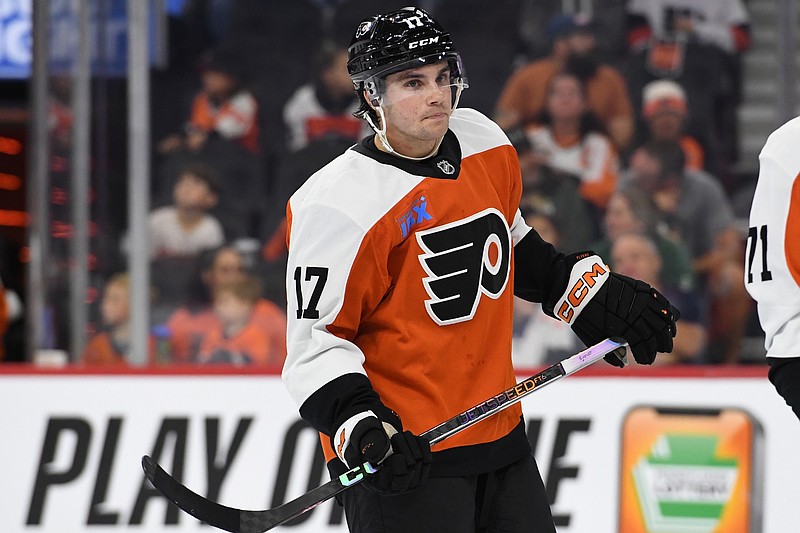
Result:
x=670 y=156
x=198 y=294
x=202 y=172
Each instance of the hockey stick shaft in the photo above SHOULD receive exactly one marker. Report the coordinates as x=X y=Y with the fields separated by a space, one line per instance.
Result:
x=244 y=521
x=509 y=397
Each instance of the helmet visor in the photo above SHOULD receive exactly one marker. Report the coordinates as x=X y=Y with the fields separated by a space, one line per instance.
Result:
x=415 y=78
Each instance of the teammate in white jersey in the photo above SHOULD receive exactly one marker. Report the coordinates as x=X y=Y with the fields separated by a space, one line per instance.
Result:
x=772 y=261
x=405 y=253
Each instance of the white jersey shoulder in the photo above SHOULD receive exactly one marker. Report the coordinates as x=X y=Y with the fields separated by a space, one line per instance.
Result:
x=772 y=259
x=357 y=185
x=366 y=189
x=476 y=132
x=781 y=147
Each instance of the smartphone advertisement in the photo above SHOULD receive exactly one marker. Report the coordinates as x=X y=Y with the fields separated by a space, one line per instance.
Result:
x=690 y=470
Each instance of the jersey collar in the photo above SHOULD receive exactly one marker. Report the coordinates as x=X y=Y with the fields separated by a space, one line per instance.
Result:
x=445 y=164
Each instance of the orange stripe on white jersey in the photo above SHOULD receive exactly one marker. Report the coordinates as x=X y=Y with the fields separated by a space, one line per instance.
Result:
x=772 y=259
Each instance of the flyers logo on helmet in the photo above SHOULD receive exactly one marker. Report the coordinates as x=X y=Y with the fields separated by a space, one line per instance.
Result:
x=465 y=260
x=364 y=27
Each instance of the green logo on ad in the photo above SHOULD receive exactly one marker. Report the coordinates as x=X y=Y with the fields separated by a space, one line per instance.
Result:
x=683 y=486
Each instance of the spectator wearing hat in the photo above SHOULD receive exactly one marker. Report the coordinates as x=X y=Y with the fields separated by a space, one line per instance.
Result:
x=664 y=111
x=698 y=43
x=574 y=50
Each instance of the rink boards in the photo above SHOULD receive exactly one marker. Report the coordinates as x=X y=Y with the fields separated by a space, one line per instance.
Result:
x=632 y=451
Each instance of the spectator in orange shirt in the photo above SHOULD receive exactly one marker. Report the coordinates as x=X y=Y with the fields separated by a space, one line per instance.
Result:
x=571 y=142
x=573 y=46
x=190 y=324
x=112 y=345
x=664 y=110
x=569 y=166
x=239 y=337
x=223 y=107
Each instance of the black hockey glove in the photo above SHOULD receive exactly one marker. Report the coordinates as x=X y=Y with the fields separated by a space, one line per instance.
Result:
x=405 y=459
x=631 y=309
x=599 y=304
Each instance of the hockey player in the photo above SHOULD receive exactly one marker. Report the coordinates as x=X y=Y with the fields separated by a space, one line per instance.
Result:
x=405 y=254
x=772 y=261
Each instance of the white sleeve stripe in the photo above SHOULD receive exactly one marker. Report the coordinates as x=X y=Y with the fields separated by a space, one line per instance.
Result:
x=585 y=280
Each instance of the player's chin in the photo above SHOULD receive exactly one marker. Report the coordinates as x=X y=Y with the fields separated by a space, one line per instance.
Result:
x=436 y=126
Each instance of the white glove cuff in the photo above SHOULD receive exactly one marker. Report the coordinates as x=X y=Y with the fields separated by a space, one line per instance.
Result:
x=342 y=439
x=585 y=279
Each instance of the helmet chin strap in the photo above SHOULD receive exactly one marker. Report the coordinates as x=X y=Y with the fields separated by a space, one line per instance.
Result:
x=380 y=132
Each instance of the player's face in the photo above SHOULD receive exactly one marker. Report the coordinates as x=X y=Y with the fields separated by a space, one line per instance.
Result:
x=417 y=104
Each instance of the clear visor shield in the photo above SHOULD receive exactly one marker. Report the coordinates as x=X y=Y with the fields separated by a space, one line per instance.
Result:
x=422 y=79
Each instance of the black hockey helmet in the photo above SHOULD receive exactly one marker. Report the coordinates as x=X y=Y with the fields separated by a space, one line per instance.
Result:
x=395 y=41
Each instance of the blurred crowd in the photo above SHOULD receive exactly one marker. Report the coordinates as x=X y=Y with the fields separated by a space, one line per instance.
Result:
x=623 y=115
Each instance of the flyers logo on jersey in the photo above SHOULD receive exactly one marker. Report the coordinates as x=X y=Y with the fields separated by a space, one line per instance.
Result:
x=465 y=260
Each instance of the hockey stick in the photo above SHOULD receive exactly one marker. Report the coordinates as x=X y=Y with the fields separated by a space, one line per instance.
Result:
x=243 y=521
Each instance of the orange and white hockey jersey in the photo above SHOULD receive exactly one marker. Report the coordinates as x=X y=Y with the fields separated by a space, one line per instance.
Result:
x=402 y=272
x=772 y=261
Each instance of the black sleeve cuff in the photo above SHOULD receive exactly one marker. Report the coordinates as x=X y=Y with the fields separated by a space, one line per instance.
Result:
x=784 y=373
x=330 y=406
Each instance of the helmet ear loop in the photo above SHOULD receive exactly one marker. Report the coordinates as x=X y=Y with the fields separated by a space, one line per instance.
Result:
x=375 y=100
x=457 y=89
x=381 y=132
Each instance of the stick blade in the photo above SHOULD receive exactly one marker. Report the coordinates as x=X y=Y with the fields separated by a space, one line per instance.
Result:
x=212 y=513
